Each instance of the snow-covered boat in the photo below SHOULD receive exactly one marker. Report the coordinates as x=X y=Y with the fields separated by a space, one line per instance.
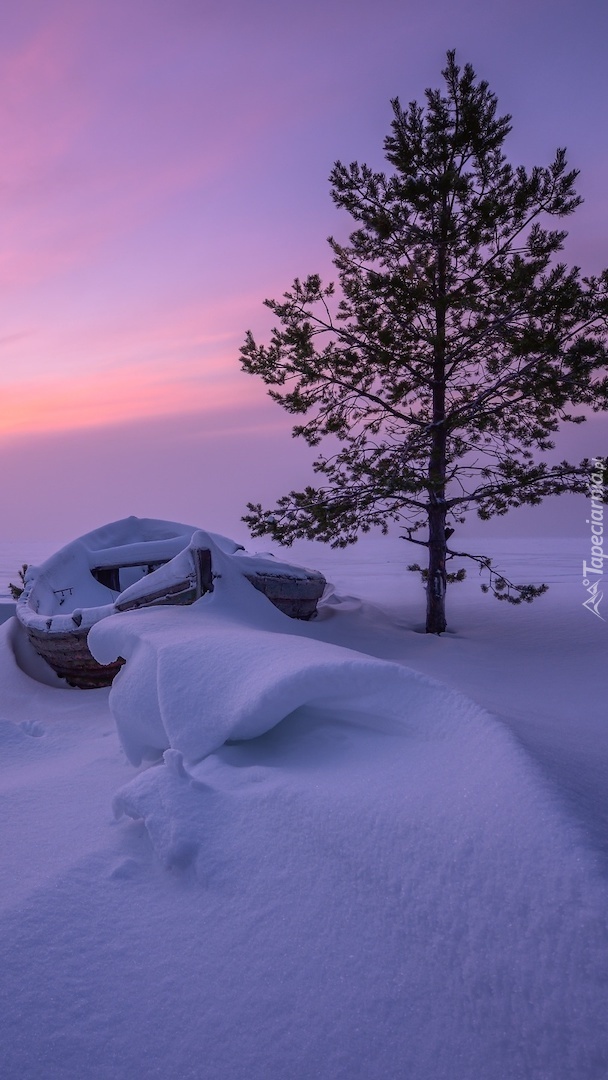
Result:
x=138 y=563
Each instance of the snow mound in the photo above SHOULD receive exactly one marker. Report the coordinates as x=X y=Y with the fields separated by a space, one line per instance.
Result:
x=389 y=898
x=232 y=667
x=464 y=916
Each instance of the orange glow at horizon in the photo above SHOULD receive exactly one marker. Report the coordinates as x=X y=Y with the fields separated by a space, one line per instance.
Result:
x=165 y=168
x=175 y=360
x=100 y=398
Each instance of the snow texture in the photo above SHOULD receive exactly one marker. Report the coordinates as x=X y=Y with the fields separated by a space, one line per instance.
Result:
x=376 y=878
x=232 y=666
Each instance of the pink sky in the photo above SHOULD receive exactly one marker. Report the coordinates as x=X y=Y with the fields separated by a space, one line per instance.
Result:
x=165 y=168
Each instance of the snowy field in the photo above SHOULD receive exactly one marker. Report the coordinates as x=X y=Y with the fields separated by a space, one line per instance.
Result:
x=394 y=869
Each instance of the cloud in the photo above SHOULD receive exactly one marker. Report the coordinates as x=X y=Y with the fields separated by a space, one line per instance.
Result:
x=107 y=120
x=139 y=390
x=164 y=169
x=139 y=363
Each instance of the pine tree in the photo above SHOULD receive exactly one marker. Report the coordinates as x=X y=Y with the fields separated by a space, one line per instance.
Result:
x=457 y=344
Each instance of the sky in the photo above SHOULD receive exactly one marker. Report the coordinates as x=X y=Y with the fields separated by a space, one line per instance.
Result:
x=165 y=169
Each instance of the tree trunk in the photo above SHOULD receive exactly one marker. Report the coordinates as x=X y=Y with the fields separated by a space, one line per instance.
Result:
x=436 y=584
x=435 y=589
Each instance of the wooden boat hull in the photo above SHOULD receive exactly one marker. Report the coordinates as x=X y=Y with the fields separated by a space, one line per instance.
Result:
x=296 y=597
x=68 y=654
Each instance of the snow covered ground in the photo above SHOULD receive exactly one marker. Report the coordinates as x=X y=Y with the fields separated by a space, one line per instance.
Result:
x=406 y=877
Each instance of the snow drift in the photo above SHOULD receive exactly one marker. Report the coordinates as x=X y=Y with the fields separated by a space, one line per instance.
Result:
x=232 y=667
x=407 y=895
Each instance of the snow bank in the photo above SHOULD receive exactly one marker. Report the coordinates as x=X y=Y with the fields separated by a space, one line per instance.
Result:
x=341 y=902
x=232 y=667
x=407 y=897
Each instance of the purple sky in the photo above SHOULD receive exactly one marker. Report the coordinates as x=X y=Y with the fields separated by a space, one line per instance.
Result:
x=165 y=168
